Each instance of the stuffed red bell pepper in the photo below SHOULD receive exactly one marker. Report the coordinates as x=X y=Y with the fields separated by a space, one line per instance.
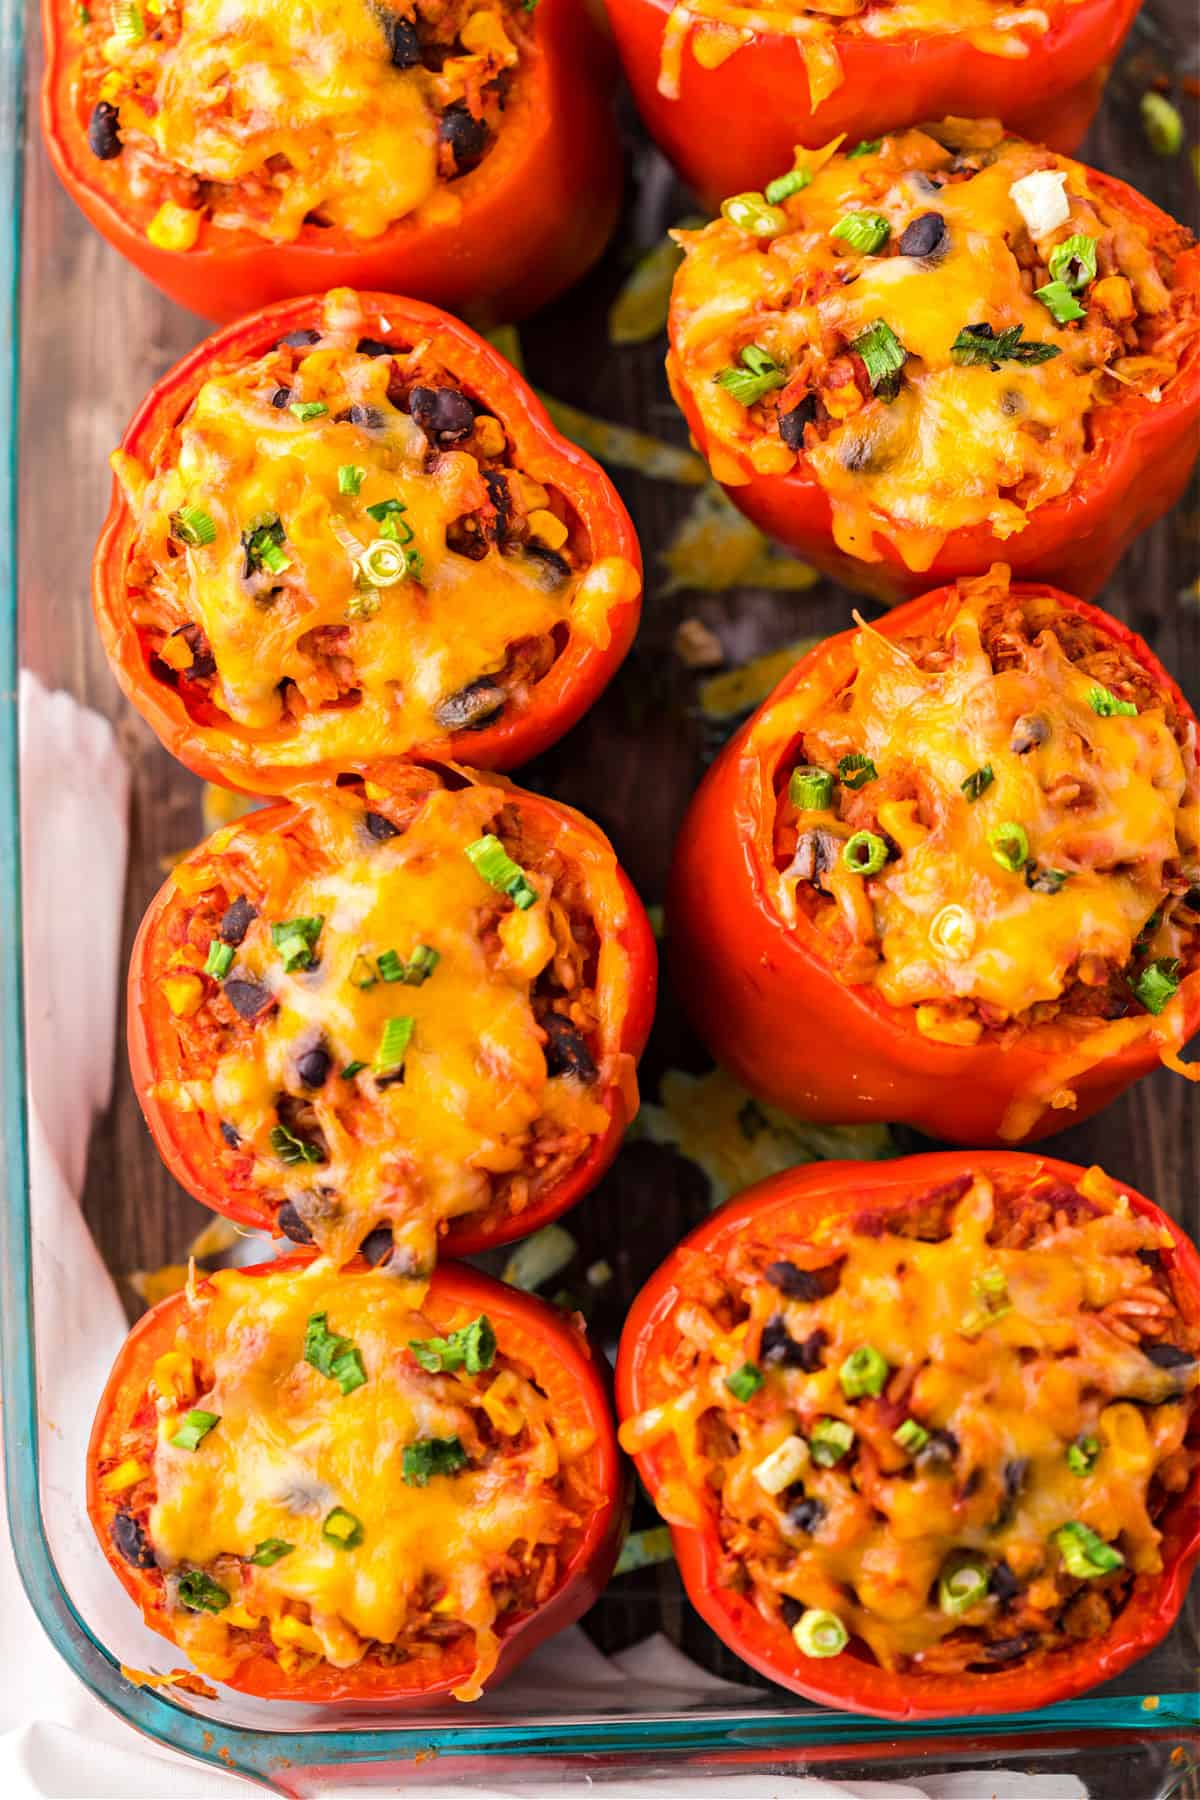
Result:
x=334 y=1485
x=949 y=873
x=916 y=357
x=404 y=1013
x=926 y=1432
x=459 y=150
x=788 y=74
x=345 y=529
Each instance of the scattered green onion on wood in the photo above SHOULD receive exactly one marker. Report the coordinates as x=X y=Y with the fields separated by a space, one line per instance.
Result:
x=645 y=1549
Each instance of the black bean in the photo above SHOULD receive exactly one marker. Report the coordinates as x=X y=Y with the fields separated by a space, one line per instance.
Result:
x=1006 y=1650
x=465 y=134
x=778 y=1347
x=1167 y=1356
x=498 y=494
x=791 y=424
x=1016 y=1474
x=552 y=570
x=939 y=1453
x=797 y=1284
x=369 y=417
x=369 y=346
x=313 y=1067
x=239 y=917
x=131 y=1542
x=807 y=1514
x=231 y=1134
x=465 y=537
x=280 y=398
x=813 y=1349
x=103 y=135
x=1004 y=1584
x=248 y=999
x=292 y=1225
x=300 y=340
x=924 y=236
x=817 y=852
x=203 y=664
x=442 y=413
x=566 y=1051
x=1151 y=1258
x=790 y=1611
x=378 y=1245
x=403 y=42
x=381 y=829
x=1028 y=732
x=471 y=707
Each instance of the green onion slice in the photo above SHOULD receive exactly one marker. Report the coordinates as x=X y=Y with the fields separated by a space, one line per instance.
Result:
x=962 y=1585
x=884 y=355
x=820 y=1633
x=978 y=782
x=758 y=375
x=363 y=973
x=865 y=1371
x=745 y=1382
x=1009 y=845
x=910 y=1436
x=200 y=1593
x=352 y=1069
x=979 y=345
x=829 y=1441
x=784 y=186
x=1157 y=983
x=219 y=960
x=750 y=212
x=495 y=866
x=1085 y=1554
x=429 y=1457
x=864 y=853
x=1107 y=706
x=296 y=941
x=863 y=231
x=390 y=966
x=192 y=525
x=810 y=790
x=194 y=1428
x=350 y=478
x=867 y=147
x=342 y=1529
x=128 y=22
x=472 y=1347
x=855 y=770
x=1073 y=262
x=292 y=1149
x=1060 y=302
x=1083 y=1454
x=383 y=563
x=269 y=1552
x=336 y=1357
x=307 y=409
x=393 y=1045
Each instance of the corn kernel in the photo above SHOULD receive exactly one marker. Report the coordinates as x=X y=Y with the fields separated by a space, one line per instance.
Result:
x=239 y=1615
x=111 y=85
x=1114 y=296
x=174 y=227
x=489 y=436
x=771 y=456
x=1124 y=1436
x=505 y=1415
x=183 y=994
x=186 y=957
x=176 y=652
x=127 y=1474
x=175 y=1376
x=295 y=1632
x=548 y=528
x=528 y=494
x=899 y=819
x=840 y=402
x=947 y=1028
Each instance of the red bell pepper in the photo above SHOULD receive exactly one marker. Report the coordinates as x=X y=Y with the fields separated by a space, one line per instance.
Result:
x=191 y=1142
x=207 y=740
x=770 y=1007
x=530 y=220
x=734 y=125
x=563 y=1364
x=794 y=1205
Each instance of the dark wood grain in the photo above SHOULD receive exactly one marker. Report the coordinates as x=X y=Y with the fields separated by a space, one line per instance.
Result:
x=96 y=335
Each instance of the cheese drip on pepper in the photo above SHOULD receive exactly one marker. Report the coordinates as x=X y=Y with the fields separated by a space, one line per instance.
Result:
x=1000 y=1359
x=290 y=1448
x=470 y=1102
x=949 y=439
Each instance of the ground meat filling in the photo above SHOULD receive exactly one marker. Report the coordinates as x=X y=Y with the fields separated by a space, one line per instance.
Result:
x=998 y=824
x=951 y=1424
x=390 y=1018
x=285 y=121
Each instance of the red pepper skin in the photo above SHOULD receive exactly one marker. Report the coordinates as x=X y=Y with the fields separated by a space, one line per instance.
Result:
x=804 y=1197
x=535 y=214
x=579 y=675
x=527 y=1328
x=770 y=1008
x=735 y=127
x=190 y=1143
x=1137 y=469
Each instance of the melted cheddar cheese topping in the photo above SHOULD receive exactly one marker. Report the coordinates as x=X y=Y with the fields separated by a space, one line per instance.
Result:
x=262 y=116
x=984 y=1379
x=911 y=367
x=312 y=1521
x=336 y=556
x=358 y=929
x=716 y=30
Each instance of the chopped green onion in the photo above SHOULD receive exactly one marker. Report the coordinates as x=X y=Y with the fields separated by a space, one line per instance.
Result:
x=867 y=147
x=864 y=853
x=863 y=231
x=342 y=1529
x=745 y=1382
x=978 y=782
x=819 y=1633
x=429 y=1457
x=1157 y=983
x=750 y=212
x=264 y=548
x=192 y=525
x=1045 y=881
x=194 y=1428
x=855 y=770
x=962 y=1585
x=783 y=1465
x=296 y=941
x=269 y=1552
x=1074 y=261
x=390 y=966
x=1085 y=1554
x=420 y=965
x=539 y=1258
x=350 y=478
x=200 y=1593
x=307 y=409
x=990 y=1293
x=784 y=186
x=383 y=563
x=128 y=22
x=1060 y=302
x=393 y=1045
x=758 y=374
x=363 y=973
x=1107 y=706
x=472 y=1347
x=1162 y=125
x=352 y=1069
x=392 y=526
x=981 y=346
x=292 y=1149
x=219 y=960
x=495 y=866
x=910 y=1436
x=810 y=790
x=865 y=1371
x=337 y=1357
x=829 y=1441
x=884 y=355
x=1083 y=1454
x=364 y=602
x=644 y=1549
x=1009 y=846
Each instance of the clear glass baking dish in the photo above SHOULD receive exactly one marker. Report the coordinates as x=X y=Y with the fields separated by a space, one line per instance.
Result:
x=94 y=336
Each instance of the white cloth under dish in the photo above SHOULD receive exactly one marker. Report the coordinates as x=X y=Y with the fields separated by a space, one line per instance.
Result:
x=55 y=1738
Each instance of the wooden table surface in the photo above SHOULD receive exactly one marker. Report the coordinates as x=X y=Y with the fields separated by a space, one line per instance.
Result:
x=96 y=335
